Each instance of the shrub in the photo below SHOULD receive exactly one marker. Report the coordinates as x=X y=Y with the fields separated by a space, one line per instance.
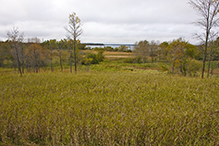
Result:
x=92 y=58
x=100 y=56
x=164 y=67
x=138 y=59
x=129 y=60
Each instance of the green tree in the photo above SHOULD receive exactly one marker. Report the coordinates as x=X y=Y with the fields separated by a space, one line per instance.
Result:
x=163 y=50
x=74 y=31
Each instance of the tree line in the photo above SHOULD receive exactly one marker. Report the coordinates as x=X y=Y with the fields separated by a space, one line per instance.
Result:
x=34 y=54
x=183 y=57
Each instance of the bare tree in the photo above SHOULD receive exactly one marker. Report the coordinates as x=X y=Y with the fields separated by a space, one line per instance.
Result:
x=208 y=9
x=15 y=39
x=74 y=31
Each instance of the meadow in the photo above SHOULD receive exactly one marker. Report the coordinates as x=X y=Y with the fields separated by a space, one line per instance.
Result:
x=108 y=104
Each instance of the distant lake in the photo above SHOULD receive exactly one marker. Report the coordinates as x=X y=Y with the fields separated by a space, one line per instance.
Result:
x=130 y=46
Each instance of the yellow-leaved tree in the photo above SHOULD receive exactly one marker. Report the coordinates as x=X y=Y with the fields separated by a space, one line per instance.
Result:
x=74 y=31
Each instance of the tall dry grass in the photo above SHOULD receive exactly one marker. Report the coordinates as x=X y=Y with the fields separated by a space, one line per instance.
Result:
x=108 y=109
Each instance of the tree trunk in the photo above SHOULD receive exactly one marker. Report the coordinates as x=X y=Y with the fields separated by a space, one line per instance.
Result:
x=204 y=59
x=71 y=62
x=75 y=56
x=173 y=67
x=35 y=60
x=209 y=65
x=51 y=61
x=181 y=67
x=18 y=61
x=212 y=69
x=184 y=69
x=22 y=57
x=60 y=57
x=36 y=69
x=206 y=43
x=23 y=67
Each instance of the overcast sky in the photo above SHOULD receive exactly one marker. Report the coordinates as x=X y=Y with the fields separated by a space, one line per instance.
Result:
x=104 y=21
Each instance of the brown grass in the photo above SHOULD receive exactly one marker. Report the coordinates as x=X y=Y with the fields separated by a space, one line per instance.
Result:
x=109 y=54
x=116 y=56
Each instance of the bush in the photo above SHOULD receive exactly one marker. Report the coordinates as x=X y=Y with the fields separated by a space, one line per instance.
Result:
x=129 y=60
x=92 y=58
x=138 y=59
x=129 y=50
x=164 y=68
x=86 y=61
x=100 y=56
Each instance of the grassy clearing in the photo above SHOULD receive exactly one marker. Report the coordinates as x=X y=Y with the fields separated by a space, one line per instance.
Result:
x=122 y=108
x=109 y=54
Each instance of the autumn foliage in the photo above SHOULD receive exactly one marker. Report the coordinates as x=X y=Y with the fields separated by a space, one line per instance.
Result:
x=36 y=56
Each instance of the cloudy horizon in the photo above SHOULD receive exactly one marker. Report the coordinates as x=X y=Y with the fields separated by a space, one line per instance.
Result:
x=103 y=21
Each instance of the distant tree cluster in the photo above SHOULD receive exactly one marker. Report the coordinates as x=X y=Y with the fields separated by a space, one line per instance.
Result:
x=182 y=55
x=121 y=48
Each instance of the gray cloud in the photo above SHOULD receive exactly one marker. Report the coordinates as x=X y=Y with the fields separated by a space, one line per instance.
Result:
x=108 y=21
